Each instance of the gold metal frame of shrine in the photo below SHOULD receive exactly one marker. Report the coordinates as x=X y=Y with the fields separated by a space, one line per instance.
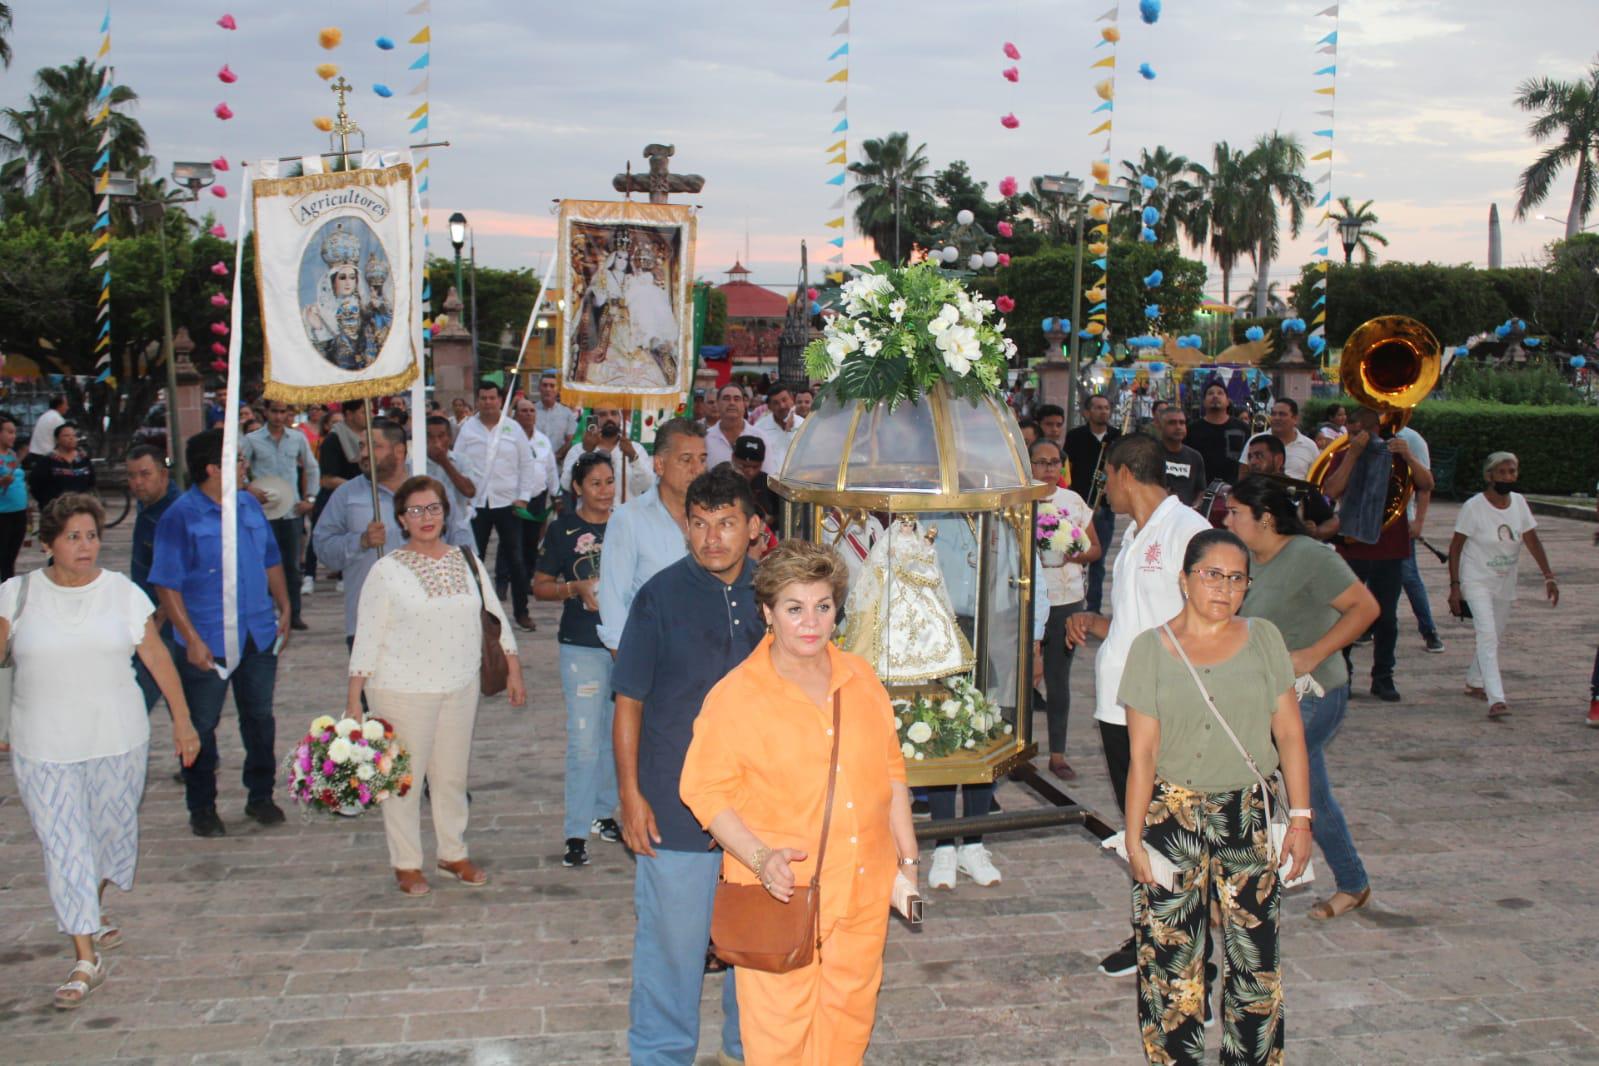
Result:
x=941 y=454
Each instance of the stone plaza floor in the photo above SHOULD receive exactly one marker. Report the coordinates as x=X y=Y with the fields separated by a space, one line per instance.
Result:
x=290 y=945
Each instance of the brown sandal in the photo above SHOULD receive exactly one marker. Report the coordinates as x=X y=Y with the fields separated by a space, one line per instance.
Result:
x=1498 y=711
x=466 y=873
x=412 y=883
x=1325 y=910
x=1477 y=693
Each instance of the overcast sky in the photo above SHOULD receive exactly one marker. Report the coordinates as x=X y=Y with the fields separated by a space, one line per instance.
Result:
x=543 y=100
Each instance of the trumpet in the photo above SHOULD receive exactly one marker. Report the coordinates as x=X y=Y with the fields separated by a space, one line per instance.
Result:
x=1390 y=364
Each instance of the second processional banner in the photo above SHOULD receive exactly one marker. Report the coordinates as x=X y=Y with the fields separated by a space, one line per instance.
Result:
x=627 y=333
x=336 y=276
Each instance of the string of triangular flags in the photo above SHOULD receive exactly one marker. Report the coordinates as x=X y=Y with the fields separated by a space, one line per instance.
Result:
x=1326 y=92
x=100 y=245
x=838 y=151
x=1110 y=35
x=423 y=39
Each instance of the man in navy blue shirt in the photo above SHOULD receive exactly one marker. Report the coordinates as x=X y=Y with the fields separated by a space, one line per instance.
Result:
x=688 y=626
x=187 y=575
x=150 y=481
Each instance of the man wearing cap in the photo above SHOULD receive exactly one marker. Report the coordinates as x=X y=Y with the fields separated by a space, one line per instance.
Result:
x=749 y=459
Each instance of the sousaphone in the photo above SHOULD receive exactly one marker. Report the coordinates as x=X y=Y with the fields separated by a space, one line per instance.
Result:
x=1389 y=365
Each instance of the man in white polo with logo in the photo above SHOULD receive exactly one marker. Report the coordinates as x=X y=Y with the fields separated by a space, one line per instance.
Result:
x=1144 y=593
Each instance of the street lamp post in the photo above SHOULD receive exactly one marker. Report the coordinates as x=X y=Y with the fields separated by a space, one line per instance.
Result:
x=1561 y=221
x=1349 y=231
x=458 y=241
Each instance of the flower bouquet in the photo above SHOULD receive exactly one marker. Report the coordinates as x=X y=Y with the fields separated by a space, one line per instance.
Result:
x=346 y=767
x=965 y=720
x=1056 y=536
x=904 y=330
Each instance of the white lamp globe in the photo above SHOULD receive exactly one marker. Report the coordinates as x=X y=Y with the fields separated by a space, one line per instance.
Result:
x=950 y=253
x=964 y=217
x=975 y=261
x=991 y=259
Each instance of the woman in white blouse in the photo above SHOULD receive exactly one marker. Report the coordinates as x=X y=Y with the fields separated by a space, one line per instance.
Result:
x=80 y=737
x=418 y=650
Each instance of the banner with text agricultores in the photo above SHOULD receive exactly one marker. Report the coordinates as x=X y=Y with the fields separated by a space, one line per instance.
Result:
x=336 y=274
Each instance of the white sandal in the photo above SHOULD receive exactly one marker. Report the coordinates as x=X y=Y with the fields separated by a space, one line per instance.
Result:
x=95 y=975
x=109 y=936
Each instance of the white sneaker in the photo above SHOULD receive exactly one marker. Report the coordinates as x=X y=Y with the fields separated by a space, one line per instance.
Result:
x=942 y=874
x=975 y=863
x=308 y=586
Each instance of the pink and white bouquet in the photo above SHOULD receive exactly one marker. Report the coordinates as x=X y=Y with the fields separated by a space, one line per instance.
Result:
x=346 y=767
x=1054 y=532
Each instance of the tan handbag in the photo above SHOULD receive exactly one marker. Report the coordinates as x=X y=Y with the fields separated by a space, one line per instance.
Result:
x=753 y=929
x=496 y=670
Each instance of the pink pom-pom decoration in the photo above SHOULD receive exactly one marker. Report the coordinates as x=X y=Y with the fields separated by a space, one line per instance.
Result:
x=219 y=231
x=1010 y=122
x=222 y=111
x=811 y=294
x=1005 y=229
x=1011 y=74
x=1005 y=305
x=219 y=328
x=226 y=75
x=219 y=366
x=1011 y=51
x=1004 y=257
x=1007 y=186
x=227 y=23
x=218 y=300
x=218 y=348
x=220 y=163
x=219 y=268
x=219 y=192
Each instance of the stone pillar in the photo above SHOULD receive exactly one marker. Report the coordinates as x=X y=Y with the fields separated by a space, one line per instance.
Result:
x=1055 y=372
x=1293 y=372
x=191 y=393
x=452 y=356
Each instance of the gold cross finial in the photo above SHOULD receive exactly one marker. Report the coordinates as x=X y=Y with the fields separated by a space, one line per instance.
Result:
x=342 y=125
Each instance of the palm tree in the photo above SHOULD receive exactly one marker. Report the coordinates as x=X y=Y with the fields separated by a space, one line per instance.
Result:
x=52 y=145
x=1274 y=165
x=891 y=182
x=1219 y=222
x=1567 y=111
x=5 y=35
x=1174 y=195
x=1367 y=219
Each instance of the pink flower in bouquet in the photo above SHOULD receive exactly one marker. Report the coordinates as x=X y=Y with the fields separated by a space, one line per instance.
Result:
x=365 y=794
x=382 y=795
x=386 y=763
x=1005 y=305
x=327 y=736
x=329 y=767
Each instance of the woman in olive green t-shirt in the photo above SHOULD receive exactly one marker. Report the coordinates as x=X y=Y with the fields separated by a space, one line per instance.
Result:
x=1193 y=797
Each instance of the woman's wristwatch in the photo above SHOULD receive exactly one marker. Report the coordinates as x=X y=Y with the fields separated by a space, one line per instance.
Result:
x=1301 y=812
x=758 y=861
x=915 y=860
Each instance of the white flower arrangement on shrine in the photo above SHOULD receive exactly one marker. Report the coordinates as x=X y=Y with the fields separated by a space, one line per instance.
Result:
x=904 y=330
x=933 y=728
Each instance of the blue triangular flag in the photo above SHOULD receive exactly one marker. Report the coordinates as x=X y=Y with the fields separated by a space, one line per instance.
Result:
x=1328 y=70
x=421 y=125
x=1331 y=38
x=843 y=125
x=1100 y=263
x=836 y=180
x=1108 y=105
x=837 y=242
x=1325 y=198
x=1323 y=133
x=1320 y=251
x=841 y=50
x=421 y=61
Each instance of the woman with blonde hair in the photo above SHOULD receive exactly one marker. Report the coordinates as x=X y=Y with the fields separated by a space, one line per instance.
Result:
x=759 y=776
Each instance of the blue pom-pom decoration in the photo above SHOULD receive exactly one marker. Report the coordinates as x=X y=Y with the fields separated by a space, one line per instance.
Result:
x=1085 y=335
x=1152 y=311
x=1151 y=216
x=1461 y=351
x=1147 y=71
x=385 y=43
x=1254 y=333
x=1153 y=279
x=1047 y=325
x=382 y=90
x=1578 y=362
x=1146 y=235
x=1317 y=344
x=1149 y=11
x=1532 y=342
x=1502 y=331
x=1293 y=325
x=1148 y=181
x=816 y=308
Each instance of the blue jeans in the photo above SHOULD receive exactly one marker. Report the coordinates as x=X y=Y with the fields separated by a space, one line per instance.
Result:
x=1105 y=529
x=672 y=896
x=1323 y=715
x=253 y=684
x=590 y=766
x=1416 y=593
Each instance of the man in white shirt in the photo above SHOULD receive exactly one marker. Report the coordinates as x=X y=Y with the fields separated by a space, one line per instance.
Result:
x=556 y=420
x=1299 y=450
x=450 y=470
x=730 y=425
x=497 y=448
x=1144 y=594
x=43 y=441
x=635 y=474
x=526 y=412
x=778 y=426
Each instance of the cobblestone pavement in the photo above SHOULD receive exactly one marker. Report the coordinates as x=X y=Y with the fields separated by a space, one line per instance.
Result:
x=289 y=945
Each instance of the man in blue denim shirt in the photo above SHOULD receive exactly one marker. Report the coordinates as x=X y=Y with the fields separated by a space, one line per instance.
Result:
x=688 y=626
x=187 y=575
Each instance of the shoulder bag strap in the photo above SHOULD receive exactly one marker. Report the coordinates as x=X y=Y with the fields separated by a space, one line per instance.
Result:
x=477 y=578
x=1211 y=703
x=827 y=814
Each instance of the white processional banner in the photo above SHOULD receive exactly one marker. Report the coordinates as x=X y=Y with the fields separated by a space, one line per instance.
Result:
x=336 y=274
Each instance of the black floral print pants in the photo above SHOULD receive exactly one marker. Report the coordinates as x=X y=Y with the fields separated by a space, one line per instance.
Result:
x=1217 y=841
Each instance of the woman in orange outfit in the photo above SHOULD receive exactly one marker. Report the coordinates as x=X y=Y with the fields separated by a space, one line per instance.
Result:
x=756 y=778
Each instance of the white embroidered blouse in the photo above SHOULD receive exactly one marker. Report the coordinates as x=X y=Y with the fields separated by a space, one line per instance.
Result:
x=417 y=625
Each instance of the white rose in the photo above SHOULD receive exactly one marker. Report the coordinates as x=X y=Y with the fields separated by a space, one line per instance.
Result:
x=339 y=750
x=345 y=726
x=1007 y=729
x=979 y=721
x=971 y=743
x=951 y=708
x=373 y=730
x=919 y=733
x=365 y=772
x=362 y=754
x=907 y=751
x=920 y=756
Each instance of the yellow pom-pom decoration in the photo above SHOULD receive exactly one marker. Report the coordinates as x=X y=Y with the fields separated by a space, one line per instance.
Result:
x=330 y=37
x=323 y=123
x=1101 y=171
x=1098 y=210
x=1111 y=34
x=326 y=71
x=1096 y=328
x=1095 y=295
x=1099 y=248
x=1105 y=90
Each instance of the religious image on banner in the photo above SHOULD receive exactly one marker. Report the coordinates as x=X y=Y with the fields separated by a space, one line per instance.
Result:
x=335 y=271
x=627 y=333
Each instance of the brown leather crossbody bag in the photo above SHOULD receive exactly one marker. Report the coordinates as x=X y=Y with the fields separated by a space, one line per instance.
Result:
x=753 y=929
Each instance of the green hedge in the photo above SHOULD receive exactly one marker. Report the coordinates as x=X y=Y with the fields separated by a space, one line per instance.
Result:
x=1558 y=446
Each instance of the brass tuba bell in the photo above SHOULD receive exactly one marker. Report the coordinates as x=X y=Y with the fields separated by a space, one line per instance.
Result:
x=1390 y=364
